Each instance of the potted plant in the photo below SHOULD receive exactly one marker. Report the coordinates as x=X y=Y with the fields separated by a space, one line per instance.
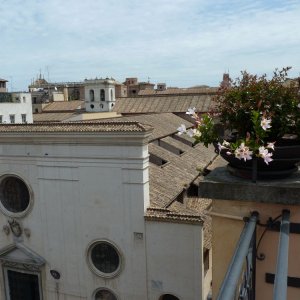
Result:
x=260 y=120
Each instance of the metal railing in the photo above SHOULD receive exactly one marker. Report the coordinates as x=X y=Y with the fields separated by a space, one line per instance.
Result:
x=233 y=286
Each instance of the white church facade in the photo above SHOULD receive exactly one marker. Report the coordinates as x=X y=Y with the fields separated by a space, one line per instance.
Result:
x=73 y=201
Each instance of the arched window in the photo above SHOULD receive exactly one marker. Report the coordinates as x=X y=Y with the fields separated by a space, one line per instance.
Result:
x=102 y=95
x=168 y=297
x=92 y=95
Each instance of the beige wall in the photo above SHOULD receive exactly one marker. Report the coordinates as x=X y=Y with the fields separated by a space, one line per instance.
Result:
x=227 y=227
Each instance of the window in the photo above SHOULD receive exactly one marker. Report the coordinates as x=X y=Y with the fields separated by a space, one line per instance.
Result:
x=1 y=119
x=24 y=99
x=14 y=194
x=92 y=95
x=104 y=294
x=92 y=106
x=168 y=297
x=104 y=259
x=12 y=119
x=102 y=95
x=24 y=118
x=111 y=95
x=34 y=100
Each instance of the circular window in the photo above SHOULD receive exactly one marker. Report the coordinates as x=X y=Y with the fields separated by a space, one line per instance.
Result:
x=104 y=259
x=105 y=295
x=14 y=195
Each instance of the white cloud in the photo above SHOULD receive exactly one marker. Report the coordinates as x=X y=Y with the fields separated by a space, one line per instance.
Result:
x=183 y=42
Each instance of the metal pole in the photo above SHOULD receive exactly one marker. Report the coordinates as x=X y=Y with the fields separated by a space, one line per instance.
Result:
x=280 y=285
x=228 y=288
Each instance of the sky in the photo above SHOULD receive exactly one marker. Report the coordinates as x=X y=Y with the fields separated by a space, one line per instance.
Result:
x=180 y=42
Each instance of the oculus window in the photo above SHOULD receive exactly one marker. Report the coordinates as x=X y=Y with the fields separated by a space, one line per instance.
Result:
x=104 y=259
x=14 y=195
x=104 y=294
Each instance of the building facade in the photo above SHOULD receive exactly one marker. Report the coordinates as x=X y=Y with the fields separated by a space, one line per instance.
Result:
x=15 y=108
x=73 y=201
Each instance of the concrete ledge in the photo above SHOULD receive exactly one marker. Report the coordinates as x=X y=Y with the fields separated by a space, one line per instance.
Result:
x=219 y=184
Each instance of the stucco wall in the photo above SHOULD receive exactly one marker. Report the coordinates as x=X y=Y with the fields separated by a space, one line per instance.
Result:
x=174 y=260
x=82 y=193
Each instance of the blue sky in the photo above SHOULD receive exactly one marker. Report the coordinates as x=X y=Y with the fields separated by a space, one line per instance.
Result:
x=180 y=42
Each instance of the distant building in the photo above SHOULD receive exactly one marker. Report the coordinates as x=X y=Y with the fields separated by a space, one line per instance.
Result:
x=226 y=82
x=99 y=94
x=15 y=108
x=44 y=91
x=134 y=87
x=121 y=90
x=161 y=87
x=3 y=88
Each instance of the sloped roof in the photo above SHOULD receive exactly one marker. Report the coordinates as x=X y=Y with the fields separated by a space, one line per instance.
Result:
x=163 y=124
x=161 y=104
x=52 y=117
x=180 y=91
x=169 y=180
x=75 y=127
x=63 y=106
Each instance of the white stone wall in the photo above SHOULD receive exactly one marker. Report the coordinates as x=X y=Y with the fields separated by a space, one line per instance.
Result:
x=82 y=192
x=174 y=260
x=22 y=105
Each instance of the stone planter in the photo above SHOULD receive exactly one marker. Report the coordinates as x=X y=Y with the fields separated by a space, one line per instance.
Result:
x=286 y=158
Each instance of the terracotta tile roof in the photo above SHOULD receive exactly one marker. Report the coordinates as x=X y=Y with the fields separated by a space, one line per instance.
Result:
x=182 y=213
x=169 y=180
x=76 y=127
x=64 y=106
x=52 y=117
x=179 y=91
x=163 y=124
x=154 y=104
x=166 y=215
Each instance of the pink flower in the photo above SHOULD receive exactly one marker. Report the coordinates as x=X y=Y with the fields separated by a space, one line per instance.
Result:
x=265 y=123
x=263 y=153
x=193 y=133
x=224 y=145
x=181 y=129
x=192 y=112
x=270 y=146
x=243 y=152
